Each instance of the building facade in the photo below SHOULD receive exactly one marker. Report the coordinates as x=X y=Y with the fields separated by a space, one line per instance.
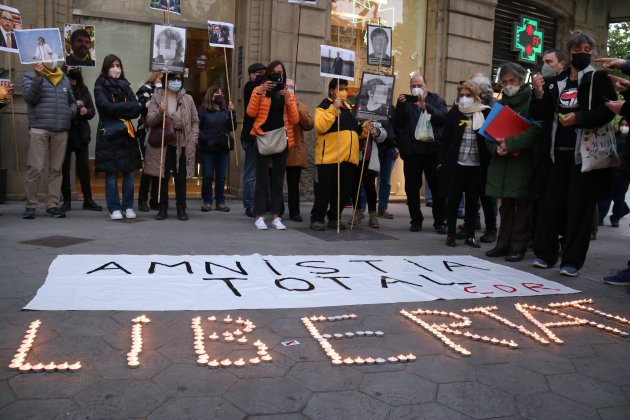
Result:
x=444 y=40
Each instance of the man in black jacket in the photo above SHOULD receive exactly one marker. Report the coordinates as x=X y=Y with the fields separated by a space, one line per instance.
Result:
x=419 y=156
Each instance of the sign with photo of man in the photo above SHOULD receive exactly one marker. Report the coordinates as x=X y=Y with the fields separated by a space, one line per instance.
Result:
x=375 y=97
x=336 y=62
x=10 y=20
x=379 y=42
x=168 y=48
x=220 y=34
x=79 y=45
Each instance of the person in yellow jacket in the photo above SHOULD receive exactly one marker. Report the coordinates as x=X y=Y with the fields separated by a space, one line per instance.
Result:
x=335 y=142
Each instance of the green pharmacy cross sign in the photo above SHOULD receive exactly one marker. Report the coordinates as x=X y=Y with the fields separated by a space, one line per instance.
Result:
x=527 y=39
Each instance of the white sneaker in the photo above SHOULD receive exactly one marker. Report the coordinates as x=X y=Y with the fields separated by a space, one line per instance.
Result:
x=116 y=215
x=260 y=224
x=130 y=214
x=277 y=223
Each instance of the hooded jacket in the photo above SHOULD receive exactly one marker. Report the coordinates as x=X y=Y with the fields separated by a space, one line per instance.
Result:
x=332 y=145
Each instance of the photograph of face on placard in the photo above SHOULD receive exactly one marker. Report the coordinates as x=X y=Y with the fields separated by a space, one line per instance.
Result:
x=220 y=34
x=173 y=6
x=10 y=21
x=336 y=62
x=79 y=45
x=168 y=49
x=39 y=45
x=375 y=96
x=379 y=39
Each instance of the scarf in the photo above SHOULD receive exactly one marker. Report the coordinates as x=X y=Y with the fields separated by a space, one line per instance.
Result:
x=54 y=76
x=475 y=109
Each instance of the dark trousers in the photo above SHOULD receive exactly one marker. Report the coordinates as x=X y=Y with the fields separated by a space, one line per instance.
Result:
x=619 y=184
x=148 y=183
x=413 y=168
x=326 y=191
x=369 y=186
x=515 y=228
x=293 y=187
x=566 y=207
x=489 y=206
x=264 y=176
x=179 y=176
x=467 y=180
x=82 y=162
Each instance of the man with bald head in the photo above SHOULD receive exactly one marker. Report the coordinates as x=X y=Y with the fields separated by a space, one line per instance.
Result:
x=420 y=156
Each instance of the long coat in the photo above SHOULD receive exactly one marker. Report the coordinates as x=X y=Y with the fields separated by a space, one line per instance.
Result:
x=115 y=100
x=509 y=176
x=186 y=124
x=297 y=154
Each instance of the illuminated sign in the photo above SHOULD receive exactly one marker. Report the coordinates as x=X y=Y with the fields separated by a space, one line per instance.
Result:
x=527 y=39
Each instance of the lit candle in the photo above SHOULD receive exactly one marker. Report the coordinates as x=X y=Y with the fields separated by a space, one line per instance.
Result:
x=226 y=362
x=74 y=367
x=348 y=361
x=379 y=333
x=402 y=358
x=349 y=335
x=242 y=340
x=239 y=363
x=227 y=319
x=370 y=361
x=254 y=361
x=258 y=343
x=212 y=318
x=62 y=367
x=229 y=339
x=338 y=336
x=266 y=358
x=392 y=359
x=240 y=321
x=380 y=361
x=369 y=333
x=261 y=353
x=411 y=358
x=337 y=362
x=134 y=364
x=360 y=333
x=213 y=364
x=26 y=367
x=15 y=365
x=203 y=360
x=238 y=332
x=214 y=336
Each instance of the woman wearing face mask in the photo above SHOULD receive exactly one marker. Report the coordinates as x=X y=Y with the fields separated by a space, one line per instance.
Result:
x=273 y=107
x=147 y=182
x=79 y=138
x=620 y=179
x=215 y=142
x=179 y=152
x=115 y=101
x=510 y=168
x=464 y=157
x=567 y=196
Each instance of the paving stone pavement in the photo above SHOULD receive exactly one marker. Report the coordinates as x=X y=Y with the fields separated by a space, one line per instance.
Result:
x=586 y=377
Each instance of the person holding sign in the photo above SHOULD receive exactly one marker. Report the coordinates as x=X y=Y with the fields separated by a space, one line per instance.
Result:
x=275 y=112
x=510 y=169
x=335 y=123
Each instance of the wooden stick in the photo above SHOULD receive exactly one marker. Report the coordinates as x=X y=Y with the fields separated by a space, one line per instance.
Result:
x=338 y=162
x=227 y=79
x=164 y=87
x=297 y=44
x=9 y=59
x=356 y=202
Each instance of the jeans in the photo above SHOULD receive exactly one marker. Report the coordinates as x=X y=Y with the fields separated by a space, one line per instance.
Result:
x=428 y=197
x=249 y=173
x=619 y=188
x=215 y=166
x=111 y=191
x=387 y=161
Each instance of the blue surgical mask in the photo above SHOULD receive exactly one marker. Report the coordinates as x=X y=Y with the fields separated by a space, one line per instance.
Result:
x=174 y=85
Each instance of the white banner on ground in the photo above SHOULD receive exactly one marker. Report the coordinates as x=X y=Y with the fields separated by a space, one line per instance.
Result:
x=219 y=282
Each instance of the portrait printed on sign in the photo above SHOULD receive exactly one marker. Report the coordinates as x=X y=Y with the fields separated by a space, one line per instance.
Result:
x=375 y=97
x=220 y=34
x=39 y=45
x=168 y=48
x=173 y=6
x=10 y=21
x=78 y=41
x=336 y=62
x=379 y=40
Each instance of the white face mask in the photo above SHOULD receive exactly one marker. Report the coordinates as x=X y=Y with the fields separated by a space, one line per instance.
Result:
x=158 y=85
x=511 y=90
x=115 y=72
x=624 y=129
x=465 y=101
x=51 y=65
x=417 y=91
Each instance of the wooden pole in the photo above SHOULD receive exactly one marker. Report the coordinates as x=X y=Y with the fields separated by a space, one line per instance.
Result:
x=164 y=87
x=227 y=79
x=297 y=44
x=9 y=60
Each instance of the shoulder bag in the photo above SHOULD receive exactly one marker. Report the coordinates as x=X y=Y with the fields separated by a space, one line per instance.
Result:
x=273 y=142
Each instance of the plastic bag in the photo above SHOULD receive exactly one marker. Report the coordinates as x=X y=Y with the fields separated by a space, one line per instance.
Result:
x=424 y=129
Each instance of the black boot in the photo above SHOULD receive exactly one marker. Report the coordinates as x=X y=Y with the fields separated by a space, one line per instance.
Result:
x=163 y=213
x=142 y=205
x=89 y=204
x=181 y=212
x=66 y=206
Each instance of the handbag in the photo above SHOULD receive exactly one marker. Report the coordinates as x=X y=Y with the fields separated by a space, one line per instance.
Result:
x=154 y=139
x=112 y=129
x=272 y=142
x=597 y=147
x=424 y=129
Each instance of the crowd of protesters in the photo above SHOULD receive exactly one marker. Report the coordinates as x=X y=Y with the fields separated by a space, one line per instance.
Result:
x=546 y=201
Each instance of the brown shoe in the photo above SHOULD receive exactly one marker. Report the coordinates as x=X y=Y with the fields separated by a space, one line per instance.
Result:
x=373 y=221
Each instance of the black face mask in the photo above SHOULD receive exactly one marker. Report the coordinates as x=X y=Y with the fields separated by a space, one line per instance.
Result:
x=258 y=79
x=581 y=60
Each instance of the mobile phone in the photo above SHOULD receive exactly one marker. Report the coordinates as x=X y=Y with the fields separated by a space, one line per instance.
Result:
x=411 y=98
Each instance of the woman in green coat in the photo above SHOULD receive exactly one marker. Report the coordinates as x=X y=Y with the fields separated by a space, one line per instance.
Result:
x=509 y=172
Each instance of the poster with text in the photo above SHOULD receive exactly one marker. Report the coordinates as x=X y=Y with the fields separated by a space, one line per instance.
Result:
x=168 y=48
x=39 y=45
x=10 y=21
x=336 y=62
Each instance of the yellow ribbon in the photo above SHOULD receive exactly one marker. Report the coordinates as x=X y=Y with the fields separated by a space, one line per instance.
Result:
x=466 y=122
x=130 y=129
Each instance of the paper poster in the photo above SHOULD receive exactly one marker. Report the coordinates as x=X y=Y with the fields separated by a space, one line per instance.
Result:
x=10 y=21
x=336 y=62
x=168 y=48
x=78 y=43
x=173 y=6
x=220 y=34
x=39 y=45
x=379 y=40
x=375 y=97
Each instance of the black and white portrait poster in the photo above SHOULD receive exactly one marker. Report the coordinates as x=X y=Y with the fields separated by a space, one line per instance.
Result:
x=375 y=96
x=173 y=6
x=336 y=62
x=168 y=48
x=220 y=34
x=10 y=20
x=379 y=40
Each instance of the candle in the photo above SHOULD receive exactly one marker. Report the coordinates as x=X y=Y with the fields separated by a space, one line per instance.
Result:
x=212 y=318
x=338 y=336
x=327 y=336
x=261 y=353
x=349 y=335
x=402 y=358
x=392 y=359
x=380 y=361
x=62 y=367
x=247 y=330
x=360 y=333
x=242 y=340
x=266 y=358
x=411 y=358
x=226 y=362
x=214 y=336
x=203 y=360
x=26 y=367
x=258 y=343
x=369 y=333
x=369 y=361
x=239 y=363
x=213 y=364
x=200 y=352
x=134 y=364
x=240 y=321
x=348 y=361
x=254 y=361
x=227 y=319
x=229 y=339
x=331 y=319
x=337 y=362
x=15 y=365
x=379 y=333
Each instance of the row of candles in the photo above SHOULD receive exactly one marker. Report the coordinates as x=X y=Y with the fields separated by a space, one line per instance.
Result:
x=335 y=357
x=19 y=359
x=133 y=360
x=238 y=335
x=580 y=304
x=487 y=310
x=437 y=333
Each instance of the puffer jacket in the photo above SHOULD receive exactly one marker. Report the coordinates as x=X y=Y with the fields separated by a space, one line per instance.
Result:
x=80 y=132
x=115 y=100
x=215 y=130
x=186 y=124
x=50 y=107
x=258 y=108
x=297 y=154
x=326 y=143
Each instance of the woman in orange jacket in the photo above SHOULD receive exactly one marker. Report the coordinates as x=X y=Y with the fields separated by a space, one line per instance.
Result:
x=273 y=108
